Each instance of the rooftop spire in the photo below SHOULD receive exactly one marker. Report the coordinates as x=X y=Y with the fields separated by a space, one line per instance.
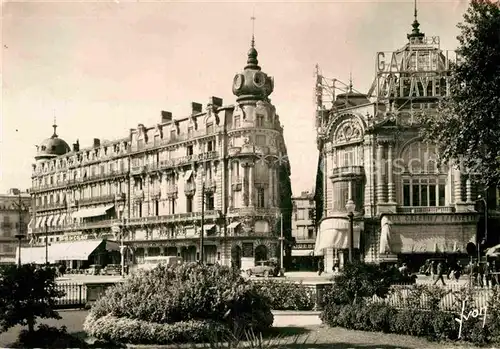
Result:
x=415 y=33
x=252 y=61
x=54 y=126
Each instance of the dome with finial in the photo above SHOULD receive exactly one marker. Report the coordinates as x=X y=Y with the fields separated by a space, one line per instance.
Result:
x=52 y=147
x=252 y=84
x=350 y=98
x=415 y=32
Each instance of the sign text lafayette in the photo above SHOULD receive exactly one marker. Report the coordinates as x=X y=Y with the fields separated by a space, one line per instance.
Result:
x=433 y=218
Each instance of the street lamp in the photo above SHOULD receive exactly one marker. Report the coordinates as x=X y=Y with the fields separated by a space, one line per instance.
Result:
x=350 y=206
x=480 y=198
x=19 y=237
x=202 y=241
x=46 y=244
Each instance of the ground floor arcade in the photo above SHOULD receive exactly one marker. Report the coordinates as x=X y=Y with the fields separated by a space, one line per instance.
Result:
x=241 y=254
x=396 y=237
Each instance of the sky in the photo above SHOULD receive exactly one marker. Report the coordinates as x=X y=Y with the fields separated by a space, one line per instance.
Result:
x=103 y=67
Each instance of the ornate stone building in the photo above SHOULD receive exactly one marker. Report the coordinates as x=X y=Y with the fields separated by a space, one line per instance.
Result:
x=304 y=232
x=407 y=205
x=151 y=185
x=14 y=217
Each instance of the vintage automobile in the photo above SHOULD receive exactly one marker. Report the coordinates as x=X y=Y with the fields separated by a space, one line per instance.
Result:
x=264 y=268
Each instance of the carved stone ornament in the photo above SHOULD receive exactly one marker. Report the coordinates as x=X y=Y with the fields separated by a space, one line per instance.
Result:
x=348 y=131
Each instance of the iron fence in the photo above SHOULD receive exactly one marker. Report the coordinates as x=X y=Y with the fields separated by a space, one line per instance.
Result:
x=75 y=295
x=422 y=296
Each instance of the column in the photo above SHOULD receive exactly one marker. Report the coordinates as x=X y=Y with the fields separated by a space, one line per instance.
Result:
x=271 y=187
x=468 y=189
x=349 y=192
x=458 y=185
x=379 y=168
x=277 y=199
x=243 y=175
x=230 y=184
x=390 y=174
x=251 y=185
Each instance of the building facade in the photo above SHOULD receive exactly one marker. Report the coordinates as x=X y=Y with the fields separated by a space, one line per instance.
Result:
x=304 y=232
x=408 y=206
x=14 y=218
x=222 y=169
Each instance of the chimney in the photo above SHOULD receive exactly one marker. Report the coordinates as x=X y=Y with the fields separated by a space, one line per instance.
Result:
x=76 y=146
x=166 y=116
x=215 y=101
x=196 y=108
x=97 y=142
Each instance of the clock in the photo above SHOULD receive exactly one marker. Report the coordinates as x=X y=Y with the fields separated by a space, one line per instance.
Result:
x=259 y=79
x=238 y=81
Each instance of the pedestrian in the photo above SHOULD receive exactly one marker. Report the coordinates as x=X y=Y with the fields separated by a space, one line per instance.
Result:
x=480 y=275
x=321 y=266
x=432 y=269
x=440 y=272
x=457 y=271
x=487 y=274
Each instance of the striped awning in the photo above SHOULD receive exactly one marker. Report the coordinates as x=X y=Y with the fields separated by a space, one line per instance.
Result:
x=92 y=212
x=233 y=225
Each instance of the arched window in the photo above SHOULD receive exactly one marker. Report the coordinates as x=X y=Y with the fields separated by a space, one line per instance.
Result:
x=423 y=178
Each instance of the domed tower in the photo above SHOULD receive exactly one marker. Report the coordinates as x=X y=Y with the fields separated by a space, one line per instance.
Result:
x=52 y=147
x=252 y=84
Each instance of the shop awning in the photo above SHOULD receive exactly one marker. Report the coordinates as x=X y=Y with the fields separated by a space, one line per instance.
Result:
x=34 y=255
x=43 y=219
x=334 y=233
x=208 y=227
x=233 y=225
x=188 y=174
x=302 y=253
x=92 y=212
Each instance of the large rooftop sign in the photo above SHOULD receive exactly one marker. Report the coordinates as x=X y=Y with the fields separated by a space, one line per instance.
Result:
x=420 y=70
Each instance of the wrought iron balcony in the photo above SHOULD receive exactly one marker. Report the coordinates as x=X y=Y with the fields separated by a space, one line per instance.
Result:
x=189 y=188
x=97 y=199
x=347 y=172
x=173 y=218
x=421 y=209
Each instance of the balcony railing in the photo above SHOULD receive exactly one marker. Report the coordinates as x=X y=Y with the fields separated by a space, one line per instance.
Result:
x=79 y=226
x=173 y=218
x=347 y=171
x=53 y=206
x=98 y=199
x=420 y=209
x=254 y=211
x=75 y=181
x=139 y=194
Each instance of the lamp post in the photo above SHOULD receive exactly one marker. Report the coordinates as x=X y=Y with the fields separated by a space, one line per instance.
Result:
x=46 y=244
x=281 y=241
x=350 y=206
x=19 y=237
x=485 y=203
x=202 y=241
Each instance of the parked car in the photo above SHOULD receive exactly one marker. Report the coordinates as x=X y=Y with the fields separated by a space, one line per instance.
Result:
x=264 y=268
x=152 y=262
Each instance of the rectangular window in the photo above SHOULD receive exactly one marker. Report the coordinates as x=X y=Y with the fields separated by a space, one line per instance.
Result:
x=415 y=188
x=189 y=150
x=157 y=140
x=173 y=133
x=310 y=233
x=210 y=128
x=172 y=206
x=260 y=140
x=189 y=204
x=210 y=146
x=190 y=131
x=260 y=198
x=441 y=195
x=236 y=121
x=210 y=202
x=157 y=208
x=432 y=195
x=139 y=209
x=340 y=195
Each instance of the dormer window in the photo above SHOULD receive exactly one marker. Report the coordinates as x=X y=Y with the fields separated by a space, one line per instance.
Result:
x=173 y=133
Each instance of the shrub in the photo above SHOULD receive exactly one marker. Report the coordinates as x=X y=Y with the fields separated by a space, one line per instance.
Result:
x=284 y=295
x=48 y=337
x=360 y=281
x=188 y=296
x=26 y=293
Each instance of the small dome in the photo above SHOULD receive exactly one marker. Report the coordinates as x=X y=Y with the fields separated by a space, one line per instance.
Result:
x=52 y=147
x=252 y=84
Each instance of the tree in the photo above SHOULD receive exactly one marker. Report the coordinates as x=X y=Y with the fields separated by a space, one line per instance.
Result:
x=27 y=292
x=467 y=125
